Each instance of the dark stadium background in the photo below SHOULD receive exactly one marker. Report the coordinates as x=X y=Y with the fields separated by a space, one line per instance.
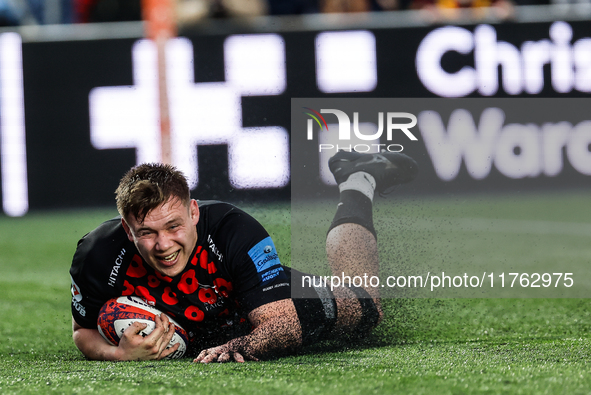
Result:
x=66 y=171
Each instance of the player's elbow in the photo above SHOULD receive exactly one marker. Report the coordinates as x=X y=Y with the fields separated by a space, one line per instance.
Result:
x=78 y=336
x=77 y=332
x=87 y=342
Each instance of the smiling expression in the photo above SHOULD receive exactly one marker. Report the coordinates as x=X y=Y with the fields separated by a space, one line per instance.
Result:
x=167 y=236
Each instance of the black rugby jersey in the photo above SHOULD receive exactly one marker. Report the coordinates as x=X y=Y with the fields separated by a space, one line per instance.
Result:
x=234 y=269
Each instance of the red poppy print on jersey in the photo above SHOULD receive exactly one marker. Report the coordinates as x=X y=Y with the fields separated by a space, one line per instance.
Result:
x=143 y=293
x=188 y=283
x=128 y=289
x=136 y=268
x=222 y=286
x=194 y=259
x=163 y=277
x=207 y=295
x=153 y=281
x=194 y=314
x=169 y=297
x=211 y=269
x=209 y=266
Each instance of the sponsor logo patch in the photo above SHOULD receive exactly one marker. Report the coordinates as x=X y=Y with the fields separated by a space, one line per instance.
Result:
x=76 y=295
x=266 y=260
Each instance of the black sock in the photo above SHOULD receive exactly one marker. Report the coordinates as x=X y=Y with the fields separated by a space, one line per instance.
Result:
x=356 y=208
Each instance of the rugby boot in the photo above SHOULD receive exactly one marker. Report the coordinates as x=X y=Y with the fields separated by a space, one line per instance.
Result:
x=387 y=168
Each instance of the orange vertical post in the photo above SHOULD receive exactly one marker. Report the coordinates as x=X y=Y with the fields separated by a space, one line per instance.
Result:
x=160 y=20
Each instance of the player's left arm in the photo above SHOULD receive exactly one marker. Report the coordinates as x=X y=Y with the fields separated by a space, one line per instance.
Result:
x=276 y=329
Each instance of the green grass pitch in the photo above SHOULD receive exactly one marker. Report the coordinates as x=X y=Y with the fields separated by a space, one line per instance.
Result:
x=438 y=345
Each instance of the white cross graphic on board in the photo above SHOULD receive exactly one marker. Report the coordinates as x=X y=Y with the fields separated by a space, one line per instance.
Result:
x=200 y=114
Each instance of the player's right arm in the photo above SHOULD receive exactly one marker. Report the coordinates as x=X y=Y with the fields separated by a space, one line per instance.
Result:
x=93 y=275
x=132 y=346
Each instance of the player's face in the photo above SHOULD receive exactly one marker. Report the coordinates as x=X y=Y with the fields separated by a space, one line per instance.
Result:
x=167 y=236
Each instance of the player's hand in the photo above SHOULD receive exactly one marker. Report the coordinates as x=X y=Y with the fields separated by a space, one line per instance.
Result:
x=224 y=353
x=133 y=346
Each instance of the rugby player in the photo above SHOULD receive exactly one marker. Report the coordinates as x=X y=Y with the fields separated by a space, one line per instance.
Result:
x=215 y=270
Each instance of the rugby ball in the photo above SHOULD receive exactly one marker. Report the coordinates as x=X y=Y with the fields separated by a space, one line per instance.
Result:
x=119 y=313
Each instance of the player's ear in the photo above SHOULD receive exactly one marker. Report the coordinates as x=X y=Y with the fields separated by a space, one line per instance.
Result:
x=194 y=211
x=127 y=229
